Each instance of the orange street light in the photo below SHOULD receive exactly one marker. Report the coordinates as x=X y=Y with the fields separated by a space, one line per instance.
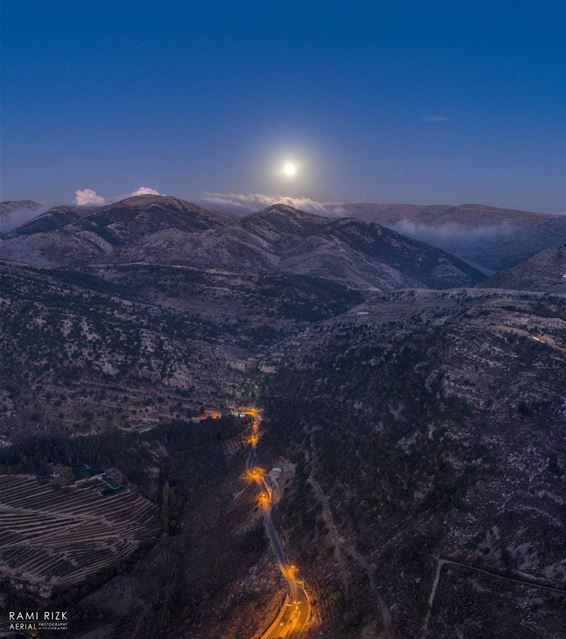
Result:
x=255 y=474
x=290 y=571
x=263 y=500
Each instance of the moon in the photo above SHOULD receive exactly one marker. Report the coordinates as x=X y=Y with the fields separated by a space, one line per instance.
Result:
x=289 y=169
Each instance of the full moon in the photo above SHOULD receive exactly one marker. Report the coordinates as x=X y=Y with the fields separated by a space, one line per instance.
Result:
x=289 y=169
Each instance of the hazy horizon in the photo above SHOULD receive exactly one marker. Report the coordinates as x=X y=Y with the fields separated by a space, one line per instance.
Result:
x=247 y=203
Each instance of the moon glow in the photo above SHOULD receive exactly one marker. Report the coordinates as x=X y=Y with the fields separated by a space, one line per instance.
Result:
x=289 y=169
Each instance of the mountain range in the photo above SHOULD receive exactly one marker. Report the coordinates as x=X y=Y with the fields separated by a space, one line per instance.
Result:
x=413 y=406
x=165 y=230
x=69 y=235
x=489 y=237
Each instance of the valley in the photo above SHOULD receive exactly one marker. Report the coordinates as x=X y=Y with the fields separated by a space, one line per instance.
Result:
x=489 y=237
x=283 y=319
x=412 y=416
x=296 y=613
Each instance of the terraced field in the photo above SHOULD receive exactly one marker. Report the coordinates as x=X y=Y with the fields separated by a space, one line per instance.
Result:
x=54 y=535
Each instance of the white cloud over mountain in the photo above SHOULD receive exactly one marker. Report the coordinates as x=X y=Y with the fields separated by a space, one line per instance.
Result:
x=250 y=201
x=88 y=197
x=146 y=190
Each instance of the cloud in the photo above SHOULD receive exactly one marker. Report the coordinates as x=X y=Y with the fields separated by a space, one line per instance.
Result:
x=451 y=232
x=252 y=201
x=12 y=219
x=88 y=197
x=436 y=118
x=146 y=190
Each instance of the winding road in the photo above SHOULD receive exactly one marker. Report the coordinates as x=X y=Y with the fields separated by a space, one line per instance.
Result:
x=294 y=617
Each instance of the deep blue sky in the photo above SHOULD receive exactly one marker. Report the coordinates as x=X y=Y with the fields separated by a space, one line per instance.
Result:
x=389 y=102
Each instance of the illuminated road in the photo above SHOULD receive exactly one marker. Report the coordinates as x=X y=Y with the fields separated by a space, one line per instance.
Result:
x=294 y=617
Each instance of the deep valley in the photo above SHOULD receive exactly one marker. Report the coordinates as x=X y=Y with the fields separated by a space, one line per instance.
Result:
x=397 y=412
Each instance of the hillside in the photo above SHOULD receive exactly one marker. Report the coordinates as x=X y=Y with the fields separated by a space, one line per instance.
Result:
x=447 y=460
x=545 y=271
x=71 y=236
x=165 y=230
x=420 y=429
x=252 y=303
x=490 y=237
x=284 y=239
x=82 y=354
x=78 y=355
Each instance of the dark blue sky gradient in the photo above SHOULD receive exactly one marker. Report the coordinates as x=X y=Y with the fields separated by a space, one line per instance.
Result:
x=190 y=97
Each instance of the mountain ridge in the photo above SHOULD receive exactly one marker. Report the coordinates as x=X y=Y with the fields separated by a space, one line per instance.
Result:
x=280 y=238
x=493 y=238
x=68 y=235
x=545 y=271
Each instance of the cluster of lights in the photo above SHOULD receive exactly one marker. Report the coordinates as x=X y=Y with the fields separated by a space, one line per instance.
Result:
x=257 y=474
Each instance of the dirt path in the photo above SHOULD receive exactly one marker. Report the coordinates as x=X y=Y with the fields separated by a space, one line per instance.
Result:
x=341 y=546
x=530 y=583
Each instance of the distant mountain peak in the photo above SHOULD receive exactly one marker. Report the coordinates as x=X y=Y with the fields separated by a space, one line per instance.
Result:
x=491 y=237
x=285 y=209
x=148 y=200
x=13 y=205
x=281 y=218
x=66 y=235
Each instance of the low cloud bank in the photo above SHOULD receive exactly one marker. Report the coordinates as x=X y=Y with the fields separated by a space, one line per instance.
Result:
x=13 y=219
x=453 y=232
x=254 y=201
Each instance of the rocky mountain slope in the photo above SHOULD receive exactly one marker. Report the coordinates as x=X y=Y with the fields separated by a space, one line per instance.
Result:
x=81 y=354
x=490 y=237
x=545 y=271
x=282 y=238
x=252 y=303
x=443 y=478
x=424 y=428
x=72 y=236
x=165 y=230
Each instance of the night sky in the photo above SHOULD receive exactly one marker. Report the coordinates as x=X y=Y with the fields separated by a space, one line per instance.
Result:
x=386 y=102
